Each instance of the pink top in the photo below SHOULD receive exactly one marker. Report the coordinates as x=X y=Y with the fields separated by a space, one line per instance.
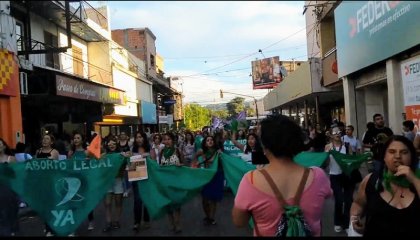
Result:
x=267 y=211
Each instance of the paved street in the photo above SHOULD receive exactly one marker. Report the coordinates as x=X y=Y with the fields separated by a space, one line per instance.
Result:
x=192 y=224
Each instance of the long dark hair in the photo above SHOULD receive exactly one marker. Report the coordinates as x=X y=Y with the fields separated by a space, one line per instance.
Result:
x=257 y=148
x=414 y=160
x=192 y=137
x=146 y=144
x=204 y=146
x=84 y=145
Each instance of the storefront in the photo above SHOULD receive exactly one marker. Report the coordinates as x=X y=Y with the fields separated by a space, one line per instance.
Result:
x=301 y=96
x=61 y=103
x=375 y=41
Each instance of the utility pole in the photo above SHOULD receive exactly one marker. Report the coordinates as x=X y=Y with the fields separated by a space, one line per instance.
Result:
x=255 y=100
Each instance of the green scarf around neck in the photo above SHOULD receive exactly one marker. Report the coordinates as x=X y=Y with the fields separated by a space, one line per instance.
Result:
x=168 y=152
x=209 y=153
x=397 y=180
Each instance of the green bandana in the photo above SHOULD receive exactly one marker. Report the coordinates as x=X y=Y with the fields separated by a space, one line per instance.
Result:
x=397 y=180
x=209 y=154
x=168 y=152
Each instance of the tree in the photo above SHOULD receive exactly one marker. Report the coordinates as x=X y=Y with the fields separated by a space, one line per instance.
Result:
x=235 y=106
x=250 y=112
x=222 y=114
x=196 y=116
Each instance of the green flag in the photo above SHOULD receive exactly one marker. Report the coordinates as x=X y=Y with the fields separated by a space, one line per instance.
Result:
x=311 y=159
x=62 y=193
x=171 y=186
x=348 y=162
x=234 y=169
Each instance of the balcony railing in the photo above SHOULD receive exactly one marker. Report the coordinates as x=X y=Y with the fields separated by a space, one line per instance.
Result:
x=55 y=60
x=83 y=10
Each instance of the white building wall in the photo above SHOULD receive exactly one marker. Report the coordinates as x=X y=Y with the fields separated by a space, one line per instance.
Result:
x=126 y=82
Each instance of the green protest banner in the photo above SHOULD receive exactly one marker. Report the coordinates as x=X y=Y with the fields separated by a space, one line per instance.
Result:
x=62 y=193
x=348 y=162
x=311 y=159
x=171 y=186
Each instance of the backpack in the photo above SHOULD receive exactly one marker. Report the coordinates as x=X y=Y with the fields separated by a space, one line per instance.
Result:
x=292 y=222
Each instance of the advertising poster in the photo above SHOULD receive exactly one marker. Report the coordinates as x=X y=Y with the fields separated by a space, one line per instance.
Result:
x=266 y=73
x=137 y=169
x=410 y=74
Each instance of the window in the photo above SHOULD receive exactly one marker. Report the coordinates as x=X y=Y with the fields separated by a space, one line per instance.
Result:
x=152 y=60
x=77 y=60
x=51 y=58
x=19 y=36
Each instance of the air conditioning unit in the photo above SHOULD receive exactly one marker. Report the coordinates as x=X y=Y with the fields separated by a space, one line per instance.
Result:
x=23 y=77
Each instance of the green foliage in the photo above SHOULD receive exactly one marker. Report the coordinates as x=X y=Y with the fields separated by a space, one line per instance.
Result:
x=250 y=112
x=235 y=106
x=196 y=116
x=222 y=114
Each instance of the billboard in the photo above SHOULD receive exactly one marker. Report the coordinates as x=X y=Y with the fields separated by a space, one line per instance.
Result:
x=266 y=73
x=371 y=31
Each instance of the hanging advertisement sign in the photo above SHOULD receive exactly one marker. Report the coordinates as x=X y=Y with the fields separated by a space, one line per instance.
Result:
x=266 y=73
x=410 y=75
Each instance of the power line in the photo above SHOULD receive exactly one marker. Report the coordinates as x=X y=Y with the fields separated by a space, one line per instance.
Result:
x=249 y=55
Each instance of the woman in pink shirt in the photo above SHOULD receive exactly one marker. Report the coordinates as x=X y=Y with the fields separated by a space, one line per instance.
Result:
x=281 y=139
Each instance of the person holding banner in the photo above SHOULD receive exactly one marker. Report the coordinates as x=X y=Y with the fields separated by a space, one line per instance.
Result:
x=78 y=152
x=47 y=151
x=9 y=200
x=115 y=194
x=212 y=192
x=390 y=199
x=141 y=146
x=171 y=155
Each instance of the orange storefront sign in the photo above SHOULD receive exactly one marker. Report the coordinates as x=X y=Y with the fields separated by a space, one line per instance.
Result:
x=413 y=113
x=9 y=71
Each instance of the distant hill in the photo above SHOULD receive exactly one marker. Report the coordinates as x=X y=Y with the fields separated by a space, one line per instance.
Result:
x=216 y=107
x=222 y=106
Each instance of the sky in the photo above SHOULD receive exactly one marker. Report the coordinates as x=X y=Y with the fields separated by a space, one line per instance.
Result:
x=209 y=45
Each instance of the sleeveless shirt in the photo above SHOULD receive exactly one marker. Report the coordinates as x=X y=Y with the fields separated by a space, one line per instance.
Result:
x=383 y=219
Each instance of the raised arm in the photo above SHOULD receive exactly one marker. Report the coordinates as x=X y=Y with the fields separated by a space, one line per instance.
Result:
x=236 y=143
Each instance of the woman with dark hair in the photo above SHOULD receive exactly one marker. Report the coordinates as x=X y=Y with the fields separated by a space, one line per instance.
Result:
x=115 y=194
x=390 y=199
x=212 y=192
x=9 y=200
x=170 y=155
x=281 y=139
x=78 y=152
x=49 y=152
x=252 y=145
x=141 y=146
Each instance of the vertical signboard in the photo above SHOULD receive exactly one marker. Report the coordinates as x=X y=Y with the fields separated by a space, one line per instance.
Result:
x=410 y=74
x=266 y=73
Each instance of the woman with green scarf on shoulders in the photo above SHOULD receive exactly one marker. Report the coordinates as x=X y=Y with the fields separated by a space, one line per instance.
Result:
x=170 y=155
x=390 y=201
x=212 y=192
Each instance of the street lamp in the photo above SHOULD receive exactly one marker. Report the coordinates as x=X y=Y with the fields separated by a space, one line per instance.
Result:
x=255 y=100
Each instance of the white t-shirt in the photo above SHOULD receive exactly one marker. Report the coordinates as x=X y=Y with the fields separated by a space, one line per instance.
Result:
x=354 y=142
x=334 y=167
